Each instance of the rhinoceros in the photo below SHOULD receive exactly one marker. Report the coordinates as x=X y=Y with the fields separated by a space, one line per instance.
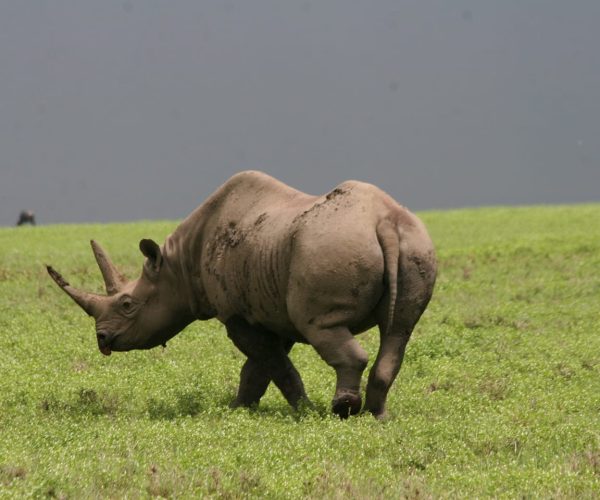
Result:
x=26 y=217
x=277 y=266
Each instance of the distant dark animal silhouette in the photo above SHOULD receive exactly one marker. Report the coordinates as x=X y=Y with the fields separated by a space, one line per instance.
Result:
x=26 y=217
x=277 y=266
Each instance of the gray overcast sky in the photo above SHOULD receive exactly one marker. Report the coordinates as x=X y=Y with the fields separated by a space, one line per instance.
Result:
x=139 y=109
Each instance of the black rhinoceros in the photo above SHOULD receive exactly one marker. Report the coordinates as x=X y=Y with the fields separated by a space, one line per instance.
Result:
x=26 y=217
x=277 y=266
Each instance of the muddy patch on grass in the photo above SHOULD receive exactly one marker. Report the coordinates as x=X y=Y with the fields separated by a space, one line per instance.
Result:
x=85 y=401
x=9 y=473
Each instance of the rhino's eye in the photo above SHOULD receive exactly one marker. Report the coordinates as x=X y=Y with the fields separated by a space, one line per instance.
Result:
x=127 y=305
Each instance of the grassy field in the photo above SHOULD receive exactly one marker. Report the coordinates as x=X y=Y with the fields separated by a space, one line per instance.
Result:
x=499 y=394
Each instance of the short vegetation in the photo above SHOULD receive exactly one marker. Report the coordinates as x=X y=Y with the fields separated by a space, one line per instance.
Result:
x=499 y=395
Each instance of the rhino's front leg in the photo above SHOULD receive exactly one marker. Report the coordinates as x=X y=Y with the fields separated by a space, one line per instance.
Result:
x=253 y=385
x=267 y=360
x=254 y=382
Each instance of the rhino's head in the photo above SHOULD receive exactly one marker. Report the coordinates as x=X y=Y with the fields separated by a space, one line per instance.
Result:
x=138 y=314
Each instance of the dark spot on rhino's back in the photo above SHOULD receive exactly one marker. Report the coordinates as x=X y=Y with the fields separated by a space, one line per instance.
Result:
x=260 y=219
x=336 y=192
x=229 y=236
x=314 y=209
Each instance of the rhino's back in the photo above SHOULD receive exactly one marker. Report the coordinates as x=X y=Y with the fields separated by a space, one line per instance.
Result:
x=262 y=239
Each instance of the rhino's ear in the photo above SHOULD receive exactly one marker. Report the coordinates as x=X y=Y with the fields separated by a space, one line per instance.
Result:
x=152 y=252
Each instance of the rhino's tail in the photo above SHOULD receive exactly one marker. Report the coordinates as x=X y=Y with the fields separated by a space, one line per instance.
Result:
x=388 y=234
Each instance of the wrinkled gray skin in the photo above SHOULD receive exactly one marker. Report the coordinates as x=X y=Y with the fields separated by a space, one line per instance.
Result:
x=277 y=266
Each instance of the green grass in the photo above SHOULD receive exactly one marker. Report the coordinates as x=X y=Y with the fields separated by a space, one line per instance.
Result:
x=499 y=395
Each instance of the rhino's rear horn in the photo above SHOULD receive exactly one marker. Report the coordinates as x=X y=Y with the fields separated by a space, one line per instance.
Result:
x=113 y=279
x=87 y=301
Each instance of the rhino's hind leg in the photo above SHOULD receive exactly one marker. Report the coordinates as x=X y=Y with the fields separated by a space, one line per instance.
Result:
x=267 y=360
x=340 y=350
x=384 y=371
x=417 y=278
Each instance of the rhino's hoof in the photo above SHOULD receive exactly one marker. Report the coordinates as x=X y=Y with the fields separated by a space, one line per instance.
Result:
x=240 y=403
x=346 y=403
x=304 y=404
x=235 y=404
x=381 y=416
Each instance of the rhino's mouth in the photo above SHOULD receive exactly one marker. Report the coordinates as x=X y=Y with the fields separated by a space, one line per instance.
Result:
x=104 y=343
x=106 y=350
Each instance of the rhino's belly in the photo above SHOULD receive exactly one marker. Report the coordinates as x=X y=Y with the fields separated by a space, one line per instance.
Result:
x=277 y=322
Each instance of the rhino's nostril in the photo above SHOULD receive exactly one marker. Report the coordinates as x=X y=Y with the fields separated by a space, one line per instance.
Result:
x=104 y=343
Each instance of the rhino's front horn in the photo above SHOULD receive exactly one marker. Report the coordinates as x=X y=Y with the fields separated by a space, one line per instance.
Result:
x=87 y=301
x=113 y=279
